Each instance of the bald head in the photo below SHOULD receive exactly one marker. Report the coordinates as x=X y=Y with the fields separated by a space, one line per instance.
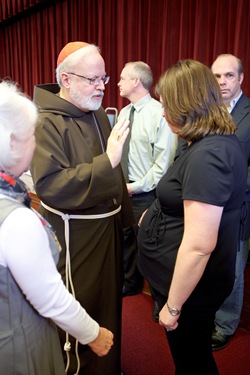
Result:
x=228 y=71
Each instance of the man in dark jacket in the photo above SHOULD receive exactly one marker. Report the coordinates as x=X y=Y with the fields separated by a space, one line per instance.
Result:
x=229 y=73
x=79 y=181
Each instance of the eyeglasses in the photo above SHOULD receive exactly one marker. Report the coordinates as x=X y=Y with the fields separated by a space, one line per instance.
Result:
x=93 y=81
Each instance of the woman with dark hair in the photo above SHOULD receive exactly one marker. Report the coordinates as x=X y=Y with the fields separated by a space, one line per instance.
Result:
x=187 y=238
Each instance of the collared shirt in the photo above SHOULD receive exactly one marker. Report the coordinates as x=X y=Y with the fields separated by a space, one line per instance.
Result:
x=152 y=144
x=233 y=103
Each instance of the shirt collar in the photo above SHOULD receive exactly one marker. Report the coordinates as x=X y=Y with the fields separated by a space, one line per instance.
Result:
x=142 y=102
x=233 y=102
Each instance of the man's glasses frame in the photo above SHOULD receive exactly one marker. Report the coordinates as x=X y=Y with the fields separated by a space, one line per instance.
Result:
x=93 y=81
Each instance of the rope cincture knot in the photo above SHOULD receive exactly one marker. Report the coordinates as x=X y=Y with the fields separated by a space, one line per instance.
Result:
x=67 y=346
x=65 y=217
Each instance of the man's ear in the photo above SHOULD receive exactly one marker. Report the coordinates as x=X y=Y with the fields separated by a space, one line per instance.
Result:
x=65 y=79
x=137 y=81
x=241 y=77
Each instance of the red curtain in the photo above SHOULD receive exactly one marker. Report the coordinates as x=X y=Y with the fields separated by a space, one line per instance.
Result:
x=11 y=8
x=159 y=32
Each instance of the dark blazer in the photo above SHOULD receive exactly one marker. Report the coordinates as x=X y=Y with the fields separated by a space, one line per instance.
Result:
x=241 y=117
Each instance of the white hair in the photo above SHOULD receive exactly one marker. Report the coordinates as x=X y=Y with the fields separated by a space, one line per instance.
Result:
x=18 y=115
x=73 y=59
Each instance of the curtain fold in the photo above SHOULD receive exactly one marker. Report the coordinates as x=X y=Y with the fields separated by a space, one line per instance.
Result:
x=159 y=32
x=9 y=9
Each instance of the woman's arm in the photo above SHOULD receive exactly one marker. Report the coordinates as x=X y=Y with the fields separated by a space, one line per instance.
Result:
x=201 y=225
x=24 y=249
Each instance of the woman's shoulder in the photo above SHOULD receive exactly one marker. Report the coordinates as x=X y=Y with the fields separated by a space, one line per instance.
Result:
x=216 y=142
x=13 y=212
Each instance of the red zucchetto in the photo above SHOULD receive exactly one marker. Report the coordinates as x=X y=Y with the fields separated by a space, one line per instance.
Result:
x=68 y=49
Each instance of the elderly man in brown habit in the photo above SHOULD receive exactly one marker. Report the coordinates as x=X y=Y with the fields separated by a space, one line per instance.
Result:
x=78 y=178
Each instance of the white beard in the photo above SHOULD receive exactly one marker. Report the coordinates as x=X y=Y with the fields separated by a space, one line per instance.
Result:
x=85 y=102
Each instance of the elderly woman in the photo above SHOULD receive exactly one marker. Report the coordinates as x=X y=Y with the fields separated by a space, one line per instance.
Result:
x=187 y=238
x=32 y=295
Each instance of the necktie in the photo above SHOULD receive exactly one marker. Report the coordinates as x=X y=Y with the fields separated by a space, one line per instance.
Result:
x=131 y=115
x=124 y=161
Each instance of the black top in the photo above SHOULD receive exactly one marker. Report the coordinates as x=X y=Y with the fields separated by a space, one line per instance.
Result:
x=241 y=118
x=212 y=171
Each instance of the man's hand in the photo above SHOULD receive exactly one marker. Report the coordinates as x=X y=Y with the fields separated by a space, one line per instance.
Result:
x=141 y=218
x=116 y=141
x=130 y=190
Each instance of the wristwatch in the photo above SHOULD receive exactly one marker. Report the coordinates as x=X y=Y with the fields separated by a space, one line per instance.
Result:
x=173 y=311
